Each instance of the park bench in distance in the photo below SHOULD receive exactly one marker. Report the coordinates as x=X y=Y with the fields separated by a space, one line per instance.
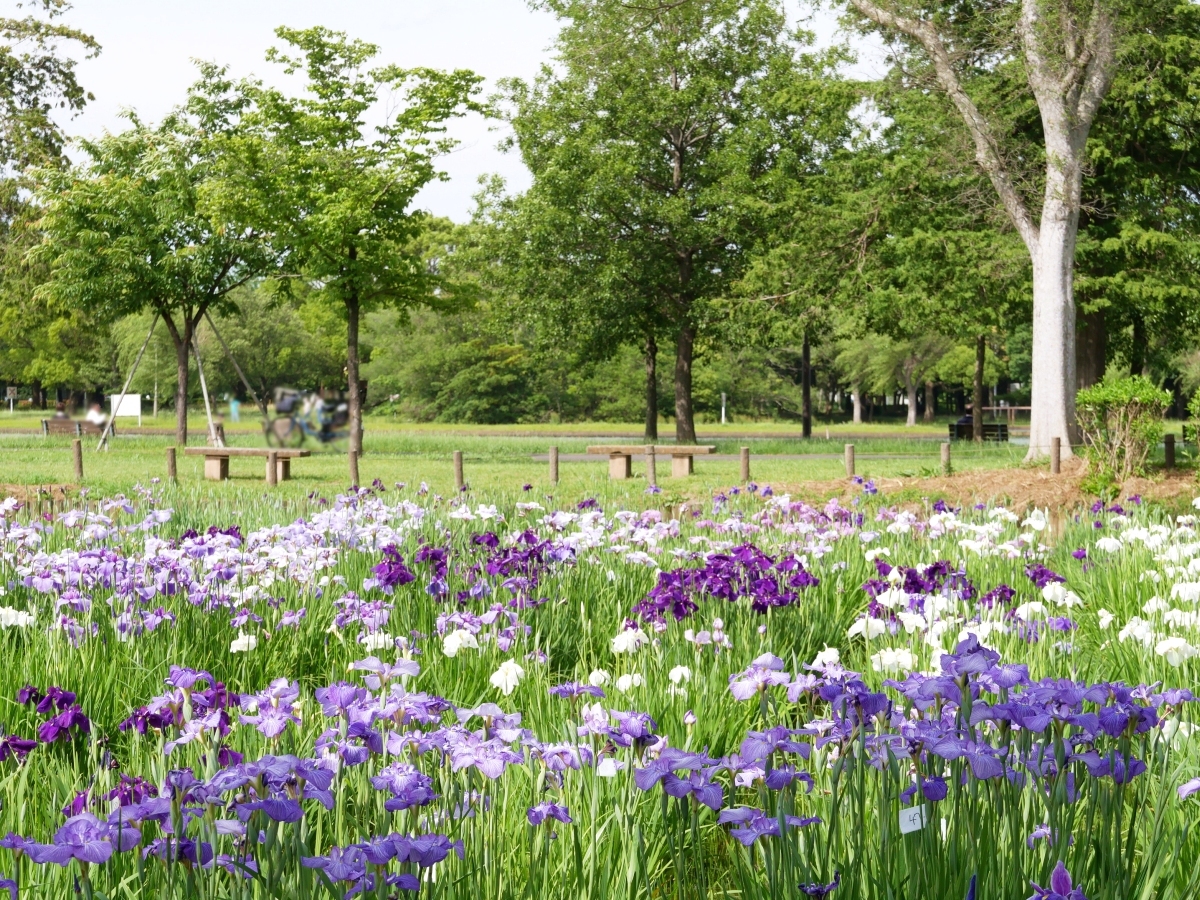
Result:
x=620 y=457
x=216 y=460
x=73 y=428
x=992 y=431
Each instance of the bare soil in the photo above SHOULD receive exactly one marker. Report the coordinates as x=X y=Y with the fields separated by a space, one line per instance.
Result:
x=1018 y=489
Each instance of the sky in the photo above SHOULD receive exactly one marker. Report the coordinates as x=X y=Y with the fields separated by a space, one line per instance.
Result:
x=148 y=47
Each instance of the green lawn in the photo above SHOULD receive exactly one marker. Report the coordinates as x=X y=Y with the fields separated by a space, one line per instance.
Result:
x=499 y=458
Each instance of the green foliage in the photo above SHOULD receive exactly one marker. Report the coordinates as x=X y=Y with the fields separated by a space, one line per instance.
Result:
x=656 y=145
x=1121 y=422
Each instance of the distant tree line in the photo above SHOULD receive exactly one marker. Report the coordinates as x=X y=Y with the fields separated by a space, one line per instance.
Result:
x=1009 y=213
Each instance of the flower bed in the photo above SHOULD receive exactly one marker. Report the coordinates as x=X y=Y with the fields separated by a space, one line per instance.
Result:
x=398 y=695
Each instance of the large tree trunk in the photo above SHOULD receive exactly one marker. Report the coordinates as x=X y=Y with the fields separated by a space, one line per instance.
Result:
x=856 y=404
x=651 y=390
x=806 y=388
x=685 y=422
x=910 y=390
x=1054 y=379
x=356 y=428
x=1137 y=355
x=1091 y=349
x=930 y=402
x=977 y=394
x=182 y=341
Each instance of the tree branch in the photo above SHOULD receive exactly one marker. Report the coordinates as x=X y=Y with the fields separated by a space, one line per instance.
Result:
x=986 y=152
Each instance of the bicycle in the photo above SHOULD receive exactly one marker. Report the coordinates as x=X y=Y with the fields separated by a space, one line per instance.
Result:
x=302 y=416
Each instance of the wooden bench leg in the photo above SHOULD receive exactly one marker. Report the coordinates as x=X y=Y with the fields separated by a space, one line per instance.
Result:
x=620 y=466
x=285 y=468
x=681 y=466
x=216 y=468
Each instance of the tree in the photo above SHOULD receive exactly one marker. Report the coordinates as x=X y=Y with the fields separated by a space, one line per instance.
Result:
x=40 y=344
x=1068 y=53
x=334 y=194
x=131 y=229
x=654 y=143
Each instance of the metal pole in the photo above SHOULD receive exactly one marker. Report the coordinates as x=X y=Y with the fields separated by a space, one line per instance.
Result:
x=458 y=471
x=77 y=452
x=261 y=404
x=849 y=460
x=108 y=425
x=745 y=464
x=212 y=429
x=554 y=465
x=946 y=459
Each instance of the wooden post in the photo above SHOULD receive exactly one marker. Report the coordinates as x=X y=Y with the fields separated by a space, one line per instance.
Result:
x=651 y=466
x=353 y=454
x=77 y=452
x=172 y=473
x=946 y=458
x=1055 y=455
x=745 y=465
x=458 y=471
x=273 y=467
x=1169 y=450
x=554 y=465
x=849 y=460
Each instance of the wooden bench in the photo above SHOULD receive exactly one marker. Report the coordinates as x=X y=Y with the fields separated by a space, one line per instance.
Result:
x=620 y=457
x=73 y=428
x=992 y=431
x=216 y=460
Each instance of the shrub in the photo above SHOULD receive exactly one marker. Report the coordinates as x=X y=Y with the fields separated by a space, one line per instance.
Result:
x=1121 y=422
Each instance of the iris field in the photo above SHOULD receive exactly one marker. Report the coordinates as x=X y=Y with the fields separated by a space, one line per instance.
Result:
x=388 y=693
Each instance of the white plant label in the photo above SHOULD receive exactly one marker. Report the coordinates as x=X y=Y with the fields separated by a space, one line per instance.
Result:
x=912 y=819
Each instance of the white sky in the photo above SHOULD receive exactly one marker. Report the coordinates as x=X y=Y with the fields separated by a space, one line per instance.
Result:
x=148 y=46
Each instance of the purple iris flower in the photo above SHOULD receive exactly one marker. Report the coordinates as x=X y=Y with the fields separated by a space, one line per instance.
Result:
x=698 y=785
x=339 y=864
x=10 y=885
x=1188 y=788
x=407 y=784
x=1081 y=553
x=755 y=824
x=272 y=721
x=817 y=889
x=546 y=811
x=60 y=726
x=85 y=838
x=16 y=747
x=1060 y=887
x=766 y=671
x=572 y=689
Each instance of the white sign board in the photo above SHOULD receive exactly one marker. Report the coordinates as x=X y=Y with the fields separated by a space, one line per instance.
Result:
x=126 y=406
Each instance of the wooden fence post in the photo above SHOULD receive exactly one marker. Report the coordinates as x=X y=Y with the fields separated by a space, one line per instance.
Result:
x=172 y=472
x=745 y=465
x=77 y=452
x=458 y=472
x=651 y=466
x=1169 y=450
x=1055 y=455
x=353 y=454
x=946 y=458
x=273 y=467
x=554 y=465
x=849 y=460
